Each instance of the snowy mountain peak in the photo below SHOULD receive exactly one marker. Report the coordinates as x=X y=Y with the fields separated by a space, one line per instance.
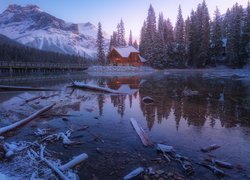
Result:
x=29 y=8
x=31 y=26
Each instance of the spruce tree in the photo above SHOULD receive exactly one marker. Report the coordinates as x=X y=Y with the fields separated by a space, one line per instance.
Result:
x=186 y=37
x=179 y=39
x=150 y=33
x=130 y=42
x=168 y=32
x=121 y=42
x=234 y=36
x=142 y=47
x=216 y=35
x=245 y=38
x=100 y=46
x=205 y=35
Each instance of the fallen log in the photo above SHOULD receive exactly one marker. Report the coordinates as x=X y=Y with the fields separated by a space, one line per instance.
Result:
x=134 y=173
x=26 y=120
x=23 y=88
x=141 y=133
x=78 y=159
x=94 y=88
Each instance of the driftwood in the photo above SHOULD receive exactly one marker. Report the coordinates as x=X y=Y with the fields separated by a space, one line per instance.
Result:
x=141 y=133
x=31 y=99
x=78 y=159
x=52 y=166
x=94 y=88
x=59 y=170
x=24 y=88
x=134 y=173
x=26 y=120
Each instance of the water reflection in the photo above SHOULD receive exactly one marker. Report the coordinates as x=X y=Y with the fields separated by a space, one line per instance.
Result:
x=167 y=92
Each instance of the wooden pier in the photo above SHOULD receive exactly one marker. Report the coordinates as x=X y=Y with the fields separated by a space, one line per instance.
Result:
x=11 y=67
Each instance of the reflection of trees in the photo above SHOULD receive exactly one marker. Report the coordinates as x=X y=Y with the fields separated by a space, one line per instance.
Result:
x=196 y=110
x=119 y=102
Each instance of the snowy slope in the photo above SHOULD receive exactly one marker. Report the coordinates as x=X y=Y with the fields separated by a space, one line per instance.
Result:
x=31 y=26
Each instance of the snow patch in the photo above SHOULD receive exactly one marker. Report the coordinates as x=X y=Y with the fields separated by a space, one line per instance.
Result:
x=119 y=70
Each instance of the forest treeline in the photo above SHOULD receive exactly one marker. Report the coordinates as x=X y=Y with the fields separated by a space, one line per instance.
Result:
x=196 y=42
x=11 y=51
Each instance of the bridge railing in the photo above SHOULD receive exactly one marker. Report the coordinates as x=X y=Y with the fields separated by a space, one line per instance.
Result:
x=10 y=64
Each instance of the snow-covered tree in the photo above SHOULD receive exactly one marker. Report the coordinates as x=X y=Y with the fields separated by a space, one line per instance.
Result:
x=150 y=33
x=179 y=39
x=199 y=36
x=143 y=45
x=234 y=35
x=121 y=34
x=130 y=42
x=179 y=27
x=216 y=34
x=100 y=46
x=245 y=38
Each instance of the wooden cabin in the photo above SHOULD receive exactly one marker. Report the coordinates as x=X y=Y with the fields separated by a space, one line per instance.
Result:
x=125 y=56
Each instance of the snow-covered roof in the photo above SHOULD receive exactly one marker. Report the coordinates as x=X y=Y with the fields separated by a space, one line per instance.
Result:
x=125 y=51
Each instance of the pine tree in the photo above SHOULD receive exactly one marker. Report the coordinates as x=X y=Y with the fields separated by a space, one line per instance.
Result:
x=234 y=36
x=142 y=47
x=121 y=42
x=216 y=35
x=130 y=42
x=193 y=44
x=179 y=28
x=169 y=43
x=186 y=36
x=179 y=39
x=158 y=49
x=150 y=33
x=100 y=46
x=245 y=38
x=205 y=35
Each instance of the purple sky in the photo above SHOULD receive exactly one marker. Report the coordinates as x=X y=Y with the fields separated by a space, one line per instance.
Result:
x=109 y=12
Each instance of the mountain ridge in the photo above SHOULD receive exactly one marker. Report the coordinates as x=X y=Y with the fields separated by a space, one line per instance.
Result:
x=31 y=26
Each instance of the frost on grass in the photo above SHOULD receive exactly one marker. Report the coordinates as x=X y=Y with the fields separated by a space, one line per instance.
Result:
x=119 y=70
x=25 y=165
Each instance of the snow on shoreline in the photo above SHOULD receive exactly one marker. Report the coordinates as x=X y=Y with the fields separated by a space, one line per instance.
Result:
x=119 y=70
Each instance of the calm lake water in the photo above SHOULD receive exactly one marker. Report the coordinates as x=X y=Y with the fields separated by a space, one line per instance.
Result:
x=219 y=114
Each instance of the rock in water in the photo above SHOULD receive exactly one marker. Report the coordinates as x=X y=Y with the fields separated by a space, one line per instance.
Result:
x=210 y=148
x=147 y=100
x=164 y=148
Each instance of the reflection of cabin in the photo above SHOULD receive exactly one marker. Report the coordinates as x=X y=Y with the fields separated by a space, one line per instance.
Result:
x=125 y=56
x=132 y=82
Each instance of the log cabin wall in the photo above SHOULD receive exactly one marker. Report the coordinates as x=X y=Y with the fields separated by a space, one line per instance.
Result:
x=116 y=59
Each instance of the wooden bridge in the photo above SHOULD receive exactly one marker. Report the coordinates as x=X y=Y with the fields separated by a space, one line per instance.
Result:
x=6 y=66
